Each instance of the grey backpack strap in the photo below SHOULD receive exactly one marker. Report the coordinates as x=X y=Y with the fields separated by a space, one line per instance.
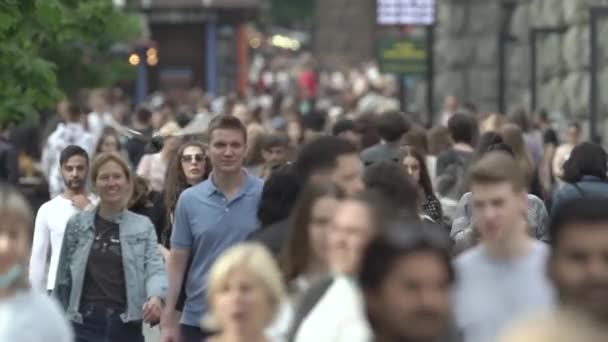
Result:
x=307 y=302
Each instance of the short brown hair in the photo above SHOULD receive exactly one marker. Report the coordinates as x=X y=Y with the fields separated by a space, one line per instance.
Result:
x=106 y=157
x=496 y=167
x=227 y=122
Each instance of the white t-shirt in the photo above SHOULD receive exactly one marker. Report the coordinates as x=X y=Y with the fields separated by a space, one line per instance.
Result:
x=50 y=225
x=33 y=317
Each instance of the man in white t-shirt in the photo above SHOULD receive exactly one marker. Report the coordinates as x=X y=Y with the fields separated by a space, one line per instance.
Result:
x=53 y=216
x=503 y=279
x=72 y=132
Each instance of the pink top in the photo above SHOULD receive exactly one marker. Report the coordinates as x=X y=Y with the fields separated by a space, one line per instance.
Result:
x=153 y=168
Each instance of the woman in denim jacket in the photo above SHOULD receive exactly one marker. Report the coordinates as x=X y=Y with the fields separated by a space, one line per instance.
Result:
x=111 y=274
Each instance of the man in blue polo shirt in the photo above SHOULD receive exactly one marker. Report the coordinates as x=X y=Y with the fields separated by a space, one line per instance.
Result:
x=209 y=218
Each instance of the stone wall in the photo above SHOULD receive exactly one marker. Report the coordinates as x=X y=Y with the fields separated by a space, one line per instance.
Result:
x=467 y=54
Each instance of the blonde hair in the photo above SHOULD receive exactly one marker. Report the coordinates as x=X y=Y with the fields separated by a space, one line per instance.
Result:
x=106 y=157
x=12 y=202
x=254 y=258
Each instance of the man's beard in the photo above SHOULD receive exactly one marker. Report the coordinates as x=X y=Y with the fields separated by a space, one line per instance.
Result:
x=74 y=185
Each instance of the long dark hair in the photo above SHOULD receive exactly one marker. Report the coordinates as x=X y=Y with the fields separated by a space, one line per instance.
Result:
x=295 y=256
x=425 y=179
x=586 y=159
x=175 y=181
x=108 y=132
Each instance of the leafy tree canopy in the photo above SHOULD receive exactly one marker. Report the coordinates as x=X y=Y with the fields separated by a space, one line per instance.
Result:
x=51 y=48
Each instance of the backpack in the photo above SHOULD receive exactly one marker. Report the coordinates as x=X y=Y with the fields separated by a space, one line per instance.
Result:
x=451 y=183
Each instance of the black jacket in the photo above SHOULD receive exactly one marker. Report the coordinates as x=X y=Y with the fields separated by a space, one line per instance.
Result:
x=9 y=163
x=274 y=236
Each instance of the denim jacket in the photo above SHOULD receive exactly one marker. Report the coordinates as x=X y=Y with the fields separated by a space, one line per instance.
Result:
x=144 y=270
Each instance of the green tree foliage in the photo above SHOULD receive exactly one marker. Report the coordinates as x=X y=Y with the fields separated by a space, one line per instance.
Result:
x=51 y=48
x=292 y=13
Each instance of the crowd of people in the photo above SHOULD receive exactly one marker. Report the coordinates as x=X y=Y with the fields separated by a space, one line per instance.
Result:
x=285 y=220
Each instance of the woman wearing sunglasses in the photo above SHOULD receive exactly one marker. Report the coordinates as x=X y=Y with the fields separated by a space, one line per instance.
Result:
x=188 y=167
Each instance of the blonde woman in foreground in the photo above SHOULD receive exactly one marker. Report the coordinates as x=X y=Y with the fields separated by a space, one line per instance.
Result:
x=245 y=291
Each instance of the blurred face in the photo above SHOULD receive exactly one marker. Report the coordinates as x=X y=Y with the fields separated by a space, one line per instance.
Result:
x=451 y=104
x=193 y=164
x=413 y=301
x=572 y=135
x=111 y=184
x=242 y=303
x=14 y=241
x=348 y=236
x=579 y=267
x=74 y=172
x=275 y=155
x=412 y=166
x=227 y=150
x=320 y=220
x=347 y=174
x=498 y=210
x=109 y=144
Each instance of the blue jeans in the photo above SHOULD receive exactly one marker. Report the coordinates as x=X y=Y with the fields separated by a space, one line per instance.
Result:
x=104 y=325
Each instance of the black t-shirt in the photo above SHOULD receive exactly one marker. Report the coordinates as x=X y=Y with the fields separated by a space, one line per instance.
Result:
x=104 y=279
x=550 y=137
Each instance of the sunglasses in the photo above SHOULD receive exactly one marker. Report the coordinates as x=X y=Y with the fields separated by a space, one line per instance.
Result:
x=189 y=158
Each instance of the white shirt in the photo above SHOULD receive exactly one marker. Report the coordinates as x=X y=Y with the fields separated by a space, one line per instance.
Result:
x=338 y=316
x=33 y=317
x=62 y=137
x=51 y=221
x=97 y=123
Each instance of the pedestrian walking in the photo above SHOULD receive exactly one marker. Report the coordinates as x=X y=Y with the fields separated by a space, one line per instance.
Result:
x=53 y=216
x=209 y=218
x=28 y=315
x=110 y=276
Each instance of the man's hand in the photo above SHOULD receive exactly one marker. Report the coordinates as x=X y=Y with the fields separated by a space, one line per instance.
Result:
x=80 y=201
x=152 y=310
x=169 y=326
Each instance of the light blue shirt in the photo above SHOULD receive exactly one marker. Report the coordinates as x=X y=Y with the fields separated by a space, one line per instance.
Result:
x=207 y=223
x=491 y=294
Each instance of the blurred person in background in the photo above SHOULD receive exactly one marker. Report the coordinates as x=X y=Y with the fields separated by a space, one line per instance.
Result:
x=513 y=136
x=451 y=105
x=406 y=276
x=333 y=309
x=53 y=216
x=579 y=270
x=109 y=141
x=72 y=132
x=136 y=145
x=463 y=231
x=392 y=126
x=492 y=123
x=507 y=269
x=28 y=315
x=562 y=153
x=153 y=167
x=550 y=144
x=275 y=152
x=209 y=218
x=533 y=138
x=9 y=156
x=439 y=141
x=278 y=198
x=304 y=255
x=584 y=175
x=415 y=165
x=330 y=159
x=347 y=129
x=452 y=164
x=148 y=203
x=245 y=295
x=111 y=275
x=100 y=117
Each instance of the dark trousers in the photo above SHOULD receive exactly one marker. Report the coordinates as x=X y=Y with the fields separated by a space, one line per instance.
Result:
x=104 y=325
x=192 y=334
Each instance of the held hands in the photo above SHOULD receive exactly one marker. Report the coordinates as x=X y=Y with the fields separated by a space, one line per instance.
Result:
x=169 y=327
x=152 y=310
x=80 y=202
